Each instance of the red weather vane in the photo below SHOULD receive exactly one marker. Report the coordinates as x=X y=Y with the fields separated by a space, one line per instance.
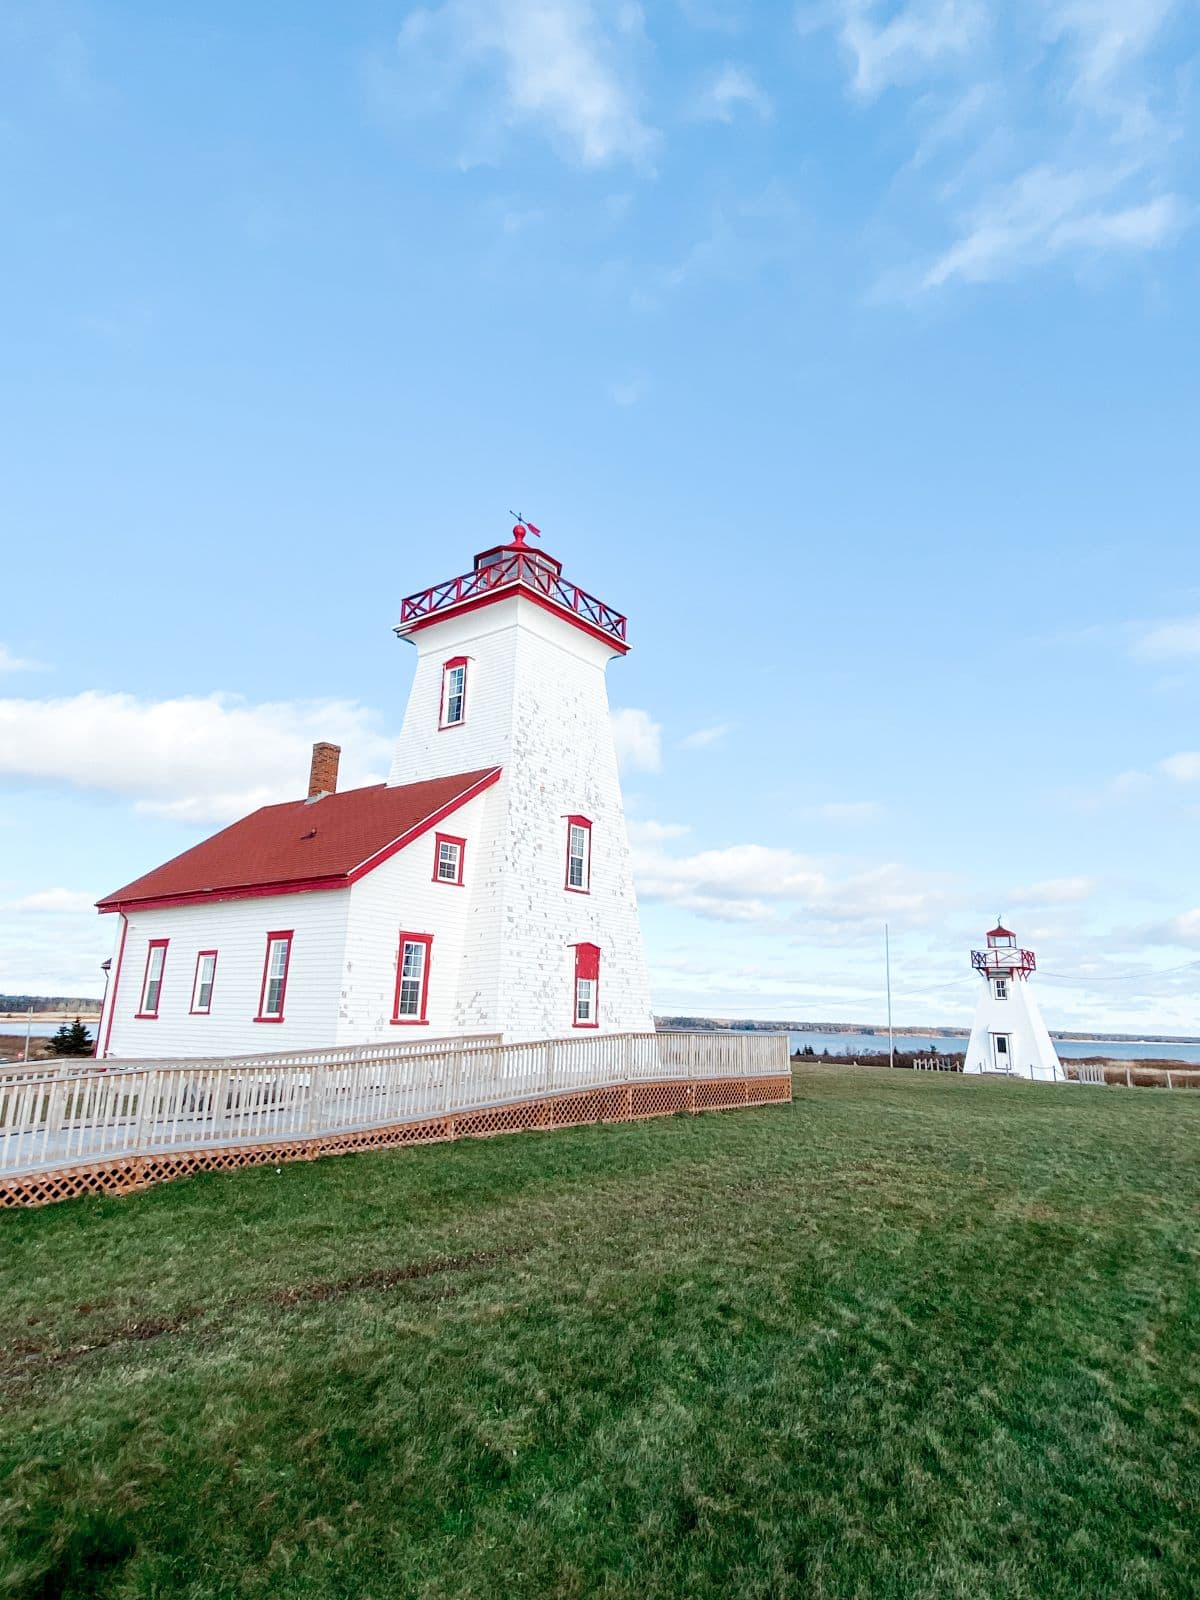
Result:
x=525 y=524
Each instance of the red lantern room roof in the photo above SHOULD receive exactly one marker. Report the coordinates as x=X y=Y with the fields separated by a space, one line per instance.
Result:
x=1001 y=932
x=514 y=568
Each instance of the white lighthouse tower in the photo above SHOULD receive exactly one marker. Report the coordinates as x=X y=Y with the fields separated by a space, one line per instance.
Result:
x=1008 y=1034
x=510 y=674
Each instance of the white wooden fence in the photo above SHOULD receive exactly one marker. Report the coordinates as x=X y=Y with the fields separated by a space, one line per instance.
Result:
x=134 y=1108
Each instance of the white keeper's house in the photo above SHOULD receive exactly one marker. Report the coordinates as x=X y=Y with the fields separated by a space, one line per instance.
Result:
x=486 y=887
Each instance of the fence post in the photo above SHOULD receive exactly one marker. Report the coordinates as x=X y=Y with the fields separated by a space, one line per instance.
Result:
x=316 y=1090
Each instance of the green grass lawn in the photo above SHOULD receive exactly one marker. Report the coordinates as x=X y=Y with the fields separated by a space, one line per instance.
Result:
x=912 y=1336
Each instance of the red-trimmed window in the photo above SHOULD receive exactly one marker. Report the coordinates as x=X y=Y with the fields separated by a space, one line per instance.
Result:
x=587 y=986
x=275 y=975
x=412 y=978
x=449 y=853
x=454 y=692
x=579 y=855
x=202 y=983
x=156 y=960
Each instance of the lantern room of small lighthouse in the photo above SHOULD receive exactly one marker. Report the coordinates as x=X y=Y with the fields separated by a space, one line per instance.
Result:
x=1008 y=1035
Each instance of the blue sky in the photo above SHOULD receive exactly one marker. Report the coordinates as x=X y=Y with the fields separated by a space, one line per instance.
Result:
x=850 y=348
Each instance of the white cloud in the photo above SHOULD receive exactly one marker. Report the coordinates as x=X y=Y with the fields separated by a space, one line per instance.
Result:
x=1107 y=36
x=772 y=884
x=627 y=393
x=1182 y=768
x=1053 y=892
x=844 y=811
x=1049 y=126
x=648 y=832
x=55 y=901
x=1168 y=640
x=1045 y=214
x=568 y=66
x=731 y=89
x=913 y=40
x=703 y=737
x=638 y=740
x=200 y=760
x=12 y=663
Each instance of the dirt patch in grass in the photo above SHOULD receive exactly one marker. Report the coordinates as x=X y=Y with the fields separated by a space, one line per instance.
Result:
x=26 y=1358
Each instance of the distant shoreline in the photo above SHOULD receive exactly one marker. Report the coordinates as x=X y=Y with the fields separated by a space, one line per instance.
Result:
x=20 y=1018
x=743 y=1025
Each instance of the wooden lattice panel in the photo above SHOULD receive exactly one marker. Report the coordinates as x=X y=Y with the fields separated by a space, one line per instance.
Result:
x=591 y=1105
x=660 y=1099
x=615 y=1103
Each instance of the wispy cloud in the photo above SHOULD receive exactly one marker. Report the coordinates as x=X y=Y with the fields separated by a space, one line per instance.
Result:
x=12 y=663
x=1182 y=768
x=1161 y=641
x=638 y=739
x=567 y=67
x=55 y=902
x=776 y=886
x=1046 y=130
x=1053 y=892
x=1045 y=214
x=911 y=42
x=844 y=811
x=702 y=738
x=730 y=90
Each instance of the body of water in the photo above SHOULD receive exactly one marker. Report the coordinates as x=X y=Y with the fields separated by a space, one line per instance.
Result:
x=41 y=1030
x=951 y=1044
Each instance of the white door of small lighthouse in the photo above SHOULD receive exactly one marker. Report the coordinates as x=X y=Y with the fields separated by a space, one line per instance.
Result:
x=1001 y=1054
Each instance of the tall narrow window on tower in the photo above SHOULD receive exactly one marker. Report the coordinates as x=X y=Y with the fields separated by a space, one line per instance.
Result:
x=412 y=978
x=587 y=986
x=454 y=692
x=579 y=855
x=275 y=976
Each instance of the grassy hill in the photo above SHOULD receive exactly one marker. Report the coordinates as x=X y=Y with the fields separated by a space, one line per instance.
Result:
x=909 y=1337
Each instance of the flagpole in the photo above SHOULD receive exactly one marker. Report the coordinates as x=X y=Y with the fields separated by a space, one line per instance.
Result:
x=887 y=956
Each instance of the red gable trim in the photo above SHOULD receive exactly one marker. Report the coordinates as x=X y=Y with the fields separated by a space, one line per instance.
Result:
x=341 y=880
x=506 y=592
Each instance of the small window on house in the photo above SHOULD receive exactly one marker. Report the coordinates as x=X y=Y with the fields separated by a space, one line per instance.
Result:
x=454 y=692
x=448 y=855
x=156 y=960
x=1001 y=988
x=202 y=983
x=412 y=978
x=275 y=976
x=587 y=986
x=579 y=855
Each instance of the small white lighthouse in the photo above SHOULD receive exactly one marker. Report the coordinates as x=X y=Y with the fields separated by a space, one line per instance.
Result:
x=1008 y=1034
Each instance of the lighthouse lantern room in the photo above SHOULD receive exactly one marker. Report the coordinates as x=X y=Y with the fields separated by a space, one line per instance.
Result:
x=1008 y=1034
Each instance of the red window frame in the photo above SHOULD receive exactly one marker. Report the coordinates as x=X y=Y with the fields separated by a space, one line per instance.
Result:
x=203 y=1011
x=586 y=886
x=142 y=1013
x=447 y=668
x=587 y=969
x=421 y=1020
x=278 y=933
x=439 y=839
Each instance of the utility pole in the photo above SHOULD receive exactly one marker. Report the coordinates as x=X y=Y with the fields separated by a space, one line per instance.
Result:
x=887 y=956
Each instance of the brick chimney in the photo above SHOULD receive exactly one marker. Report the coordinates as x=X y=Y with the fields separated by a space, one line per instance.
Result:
x=322 y=776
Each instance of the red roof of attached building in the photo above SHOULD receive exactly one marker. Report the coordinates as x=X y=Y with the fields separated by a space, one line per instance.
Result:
x=320 y=844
